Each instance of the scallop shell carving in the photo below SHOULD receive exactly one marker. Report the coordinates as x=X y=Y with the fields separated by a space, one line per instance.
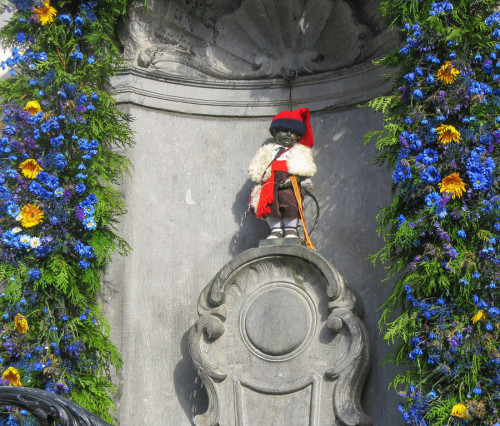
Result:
x=252 y=39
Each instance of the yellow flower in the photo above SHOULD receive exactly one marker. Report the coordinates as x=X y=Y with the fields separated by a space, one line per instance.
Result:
x=13 y=376
x=33 y=107
x=31 y=215
x=459 y=410
x=478 y=315
x=30 y=168
x=452 y=184
x=448 y=134
x=21 y=324
x=45 y=13
x=447 y=74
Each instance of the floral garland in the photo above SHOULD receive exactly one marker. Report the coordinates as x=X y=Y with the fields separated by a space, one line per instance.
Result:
x=441 y=137
x=57 y=201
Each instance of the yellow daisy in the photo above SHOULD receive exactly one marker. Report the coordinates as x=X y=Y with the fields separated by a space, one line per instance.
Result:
x=13 y=376
x=478 y=316
x=33 y=107
x=459 y=410
x=452 y=184
x=30 y=168
x=45 y=13
x=448 y=133
x=447 y=74
x=31 y=215
x=21 y=324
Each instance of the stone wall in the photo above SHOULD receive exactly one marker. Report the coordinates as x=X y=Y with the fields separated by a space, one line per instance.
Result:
x=187 y=199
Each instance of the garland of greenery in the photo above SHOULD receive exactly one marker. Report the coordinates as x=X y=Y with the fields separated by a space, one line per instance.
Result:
x=58 y=203
x=442 y=229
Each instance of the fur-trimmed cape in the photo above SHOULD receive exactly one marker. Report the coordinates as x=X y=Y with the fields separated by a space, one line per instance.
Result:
x=299 y=162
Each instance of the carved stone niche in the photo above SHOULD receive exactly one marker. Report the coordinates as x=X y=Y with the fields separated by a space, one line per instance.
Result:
x=253 y=39
x=279 y=342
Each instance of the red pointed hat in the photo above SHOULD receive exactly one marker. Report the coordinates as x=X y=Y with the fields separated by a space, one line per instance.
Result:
x=297 y=121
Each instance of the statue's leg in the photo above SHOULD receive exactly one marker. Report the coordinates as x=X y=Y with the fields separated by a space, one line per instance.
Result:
x=275 y=226
x=290 y=225
x=289 y=209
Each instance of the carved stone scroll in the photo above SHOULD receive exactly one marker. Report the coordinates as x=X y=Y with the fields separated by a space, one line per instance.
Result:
x=279 y=342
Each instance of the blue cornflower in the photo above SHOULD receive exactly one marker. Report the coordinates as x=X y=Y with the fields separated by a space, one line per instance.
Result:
x=432 y=199
x=430 y=156
x=417 y=94
x=80 y=188
x=493 y=311
x=65 y=19
x=430 y=175
x=441 y=212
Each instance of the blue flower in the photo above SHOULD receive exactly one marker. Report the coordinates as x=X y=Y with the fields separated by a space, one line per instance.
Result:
x=441 y=212
x=65 y=19
x=35 y=274
x=430 y=175
x=21 y=38
x=493 y=311
x=461 y=233
x=432 y=199
x=80 y=188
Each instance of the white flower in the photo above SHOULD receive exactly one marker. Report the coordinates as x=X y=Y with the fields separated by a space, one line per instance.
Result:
x=35 y=242
x=16 y=230
x=25 y=239
x=19 y=217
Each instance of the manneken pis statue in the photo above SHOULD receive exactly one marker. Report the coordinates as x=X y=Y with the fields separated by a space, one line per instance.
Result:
x=272 y=168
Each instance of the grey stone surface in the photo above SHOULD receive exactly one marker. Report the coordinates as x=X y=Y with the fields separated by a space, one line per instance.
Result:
x=249 y=39
x=279 y=342
x=187 y=201
x=250 y=98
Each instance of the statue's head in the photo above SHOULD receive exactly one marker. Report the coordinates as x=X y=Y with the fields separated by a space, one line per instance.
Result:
x=289 y=127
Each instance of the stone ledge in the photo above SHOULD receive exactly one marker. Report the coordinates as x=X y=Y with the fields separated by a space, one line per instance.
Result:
x=249 y=98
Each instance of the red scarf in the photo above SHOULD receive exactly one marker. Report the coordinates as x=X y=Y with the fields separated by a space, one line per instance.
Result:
x=267 y=193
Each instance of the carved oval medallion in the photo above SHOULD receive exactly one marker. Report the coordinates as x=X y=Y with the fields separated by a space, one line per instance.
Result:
x=278 y=321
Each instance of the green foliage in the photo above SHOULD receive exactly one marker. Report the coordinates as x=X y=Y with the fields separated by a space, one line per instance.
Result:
x=442 y=227
x=51 y=270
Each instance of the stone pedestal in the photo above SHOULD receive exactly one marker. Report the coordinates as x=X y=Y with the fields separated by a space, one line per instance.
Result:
x=279 y=342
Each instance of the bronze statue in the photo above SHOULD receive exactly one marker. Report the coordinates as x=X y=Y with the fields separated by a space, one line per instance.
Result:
x=276 y=166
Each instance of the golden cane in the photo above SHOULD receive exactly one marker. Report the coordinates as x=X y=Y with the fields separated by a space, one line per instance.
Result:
x=296 y=191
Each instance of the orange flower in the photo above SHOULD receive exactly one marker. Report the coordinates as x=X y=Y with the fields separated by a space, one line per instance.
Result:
x=459 y=410
x=21 y=324
x=447 y=74
x=45 y=13
x=478 y=316
x=448 y=134
x=31 y=215
x=30 y=168
x=13 y=376
x=452 y=184
x=33 y=107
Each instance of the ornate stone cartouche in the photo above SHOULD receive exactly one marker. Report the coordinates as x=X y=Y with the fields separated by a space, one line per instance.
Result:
x=279 y=342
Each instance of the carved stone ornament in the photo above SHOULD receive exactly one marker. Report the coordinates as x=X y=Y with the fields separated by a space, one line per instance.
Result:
x=252 y=39
x=279 y=342
x=48 y=408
